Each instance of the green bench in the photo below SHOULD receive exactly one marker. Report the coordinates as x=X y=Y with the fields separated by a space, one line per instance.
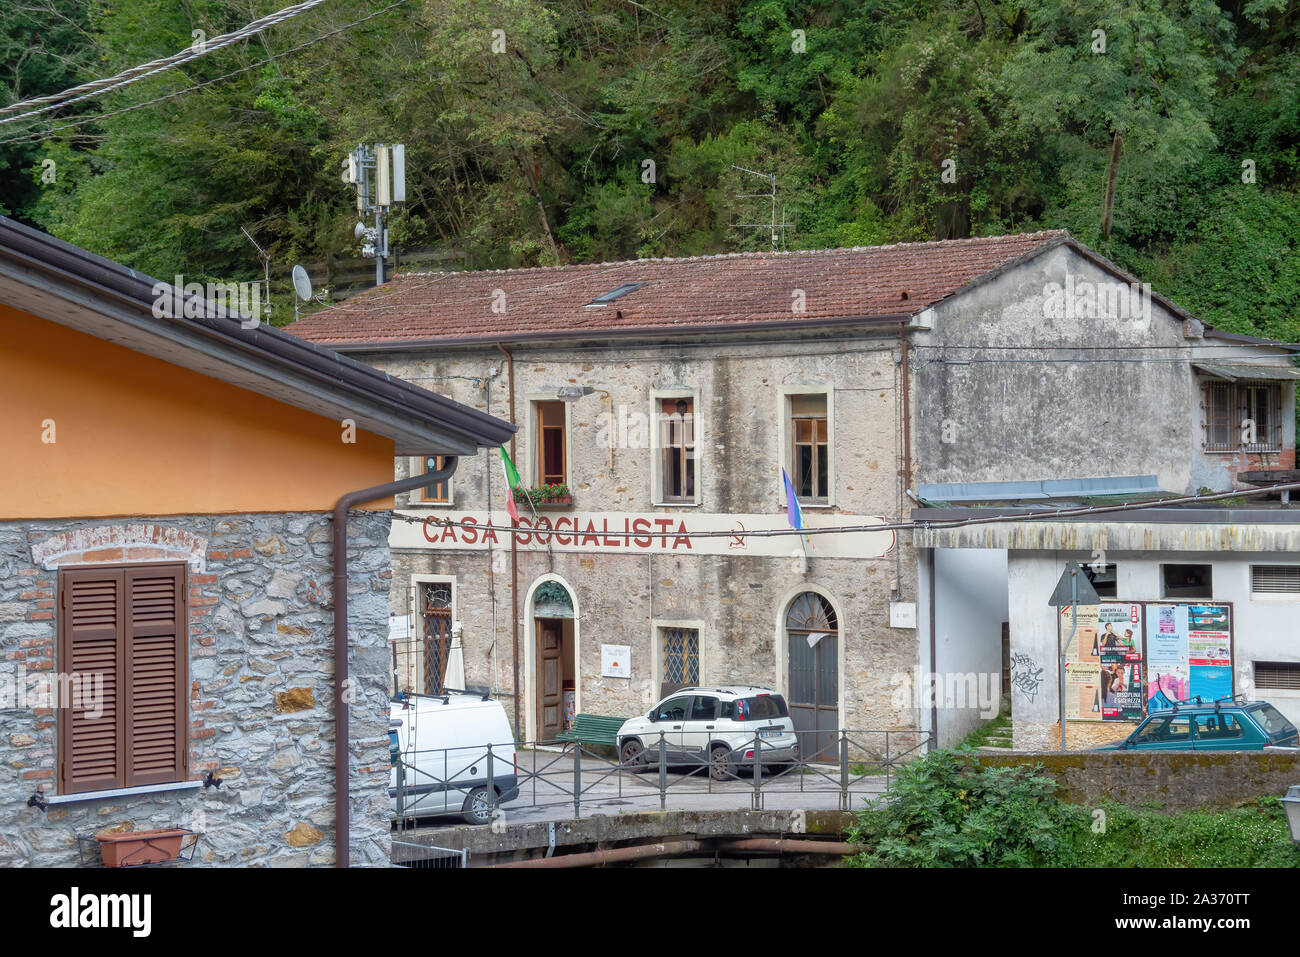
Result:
x=594 y=729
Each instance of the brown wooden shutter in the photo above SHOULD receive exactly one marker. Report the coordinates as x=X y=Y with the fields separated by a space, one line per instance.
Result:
x=91 y=642
x=156 y=666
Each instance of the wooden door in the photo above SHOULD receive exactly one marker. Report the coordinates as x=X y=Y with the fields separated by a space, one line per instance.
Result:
x=550 y=698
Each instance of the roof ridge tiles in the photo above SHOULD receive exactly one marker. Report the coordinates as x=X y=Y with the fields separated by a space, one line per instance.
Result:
x=744 y=254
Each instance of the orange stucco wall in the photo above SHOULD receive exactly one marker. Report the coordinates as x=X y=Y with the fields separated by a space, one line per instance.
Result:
x=138 y=436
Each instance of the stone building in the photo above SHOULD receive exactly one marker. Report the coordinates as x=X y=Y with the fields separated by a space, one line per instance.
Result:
x=662 y=399
x=169 y=624
x=665 y=396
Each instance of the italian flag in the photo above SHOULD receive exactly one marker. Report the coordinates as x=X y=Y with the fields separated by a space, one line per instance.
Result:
x=512 y=483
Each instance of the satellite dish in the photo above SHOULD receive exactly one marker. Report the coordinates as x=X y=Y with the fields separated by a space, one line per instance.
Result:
x=301 y=283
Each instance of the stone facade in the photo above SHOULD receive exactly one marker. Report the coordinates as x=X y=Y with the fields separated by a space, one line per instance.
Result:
x=261 y=679
x=738 y=603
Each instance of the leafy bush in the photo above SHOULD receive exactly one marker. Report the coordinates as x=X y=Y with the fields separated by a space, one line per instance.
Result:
x=944 y=810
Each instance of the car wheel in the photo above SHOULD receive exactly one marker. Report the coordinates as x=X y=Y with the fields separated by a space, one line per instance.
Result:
x=719 y=766
x=633 y=754
x=475 y=810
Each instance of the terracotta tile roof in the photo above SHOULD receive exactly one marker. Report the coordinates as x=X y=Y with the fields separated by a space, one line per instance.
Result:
x=677 y=294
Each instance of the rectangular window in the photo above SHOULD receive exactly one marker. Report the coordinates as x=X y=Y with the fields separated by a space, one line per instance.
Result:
x=810 y=455
x=1187 y=581
x=551 y=464
x=1261 y=425
x=1219 y=415
x=677 y=447
x=1104 y=579
x=1277 y=675
x=435 y=621
x=681 y=656
x=437 y=493
x=1243 y=416
x=123 y=642
x=1275 y=579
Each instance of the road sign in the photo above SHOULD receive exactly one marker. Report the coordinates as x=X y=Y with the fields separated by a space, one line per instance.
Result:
x=1081 y=592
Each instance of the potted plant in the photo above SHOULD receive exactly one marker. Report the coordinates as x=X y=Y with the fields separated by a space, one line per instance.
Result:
x=553 y=494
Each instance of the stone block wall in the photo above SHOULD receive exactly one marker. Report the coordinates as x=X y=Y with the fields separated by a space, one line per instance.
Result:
x=261 y=686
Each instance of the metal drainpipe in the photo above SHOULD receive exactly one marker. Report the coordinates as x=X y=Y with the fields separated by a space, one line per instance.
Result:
x=341 y=775
x=514 y=554
x=934 y=665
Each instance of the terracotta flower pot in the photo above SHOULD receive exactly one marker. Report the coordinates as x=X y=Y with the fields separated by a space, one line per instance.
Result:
x=132 y=848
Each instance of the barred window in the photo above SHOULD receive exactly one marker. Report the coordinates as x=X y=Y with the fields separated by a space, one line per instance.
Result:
x=435 y=613
x=1243 y=416
x=681 y=656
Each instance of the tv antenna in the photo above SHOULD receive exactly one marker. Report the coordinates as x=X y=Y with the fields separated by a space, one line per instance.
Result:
x=771 y=226
x=263 y=255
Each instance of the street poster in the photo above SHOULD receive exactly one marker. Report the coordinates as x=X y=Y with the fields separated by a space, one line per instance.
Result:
x=1082 y=691
x=1189 y=652
x=1103 y=665
x=1120 y=647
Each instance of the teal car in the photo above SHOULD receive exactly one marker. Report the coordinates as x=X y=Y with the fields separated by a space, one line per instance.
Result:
x=1229 y=724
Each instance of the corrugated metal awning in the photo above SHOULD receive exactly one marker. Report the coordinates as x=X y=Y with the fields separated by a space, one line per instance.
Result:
x=1232 y=371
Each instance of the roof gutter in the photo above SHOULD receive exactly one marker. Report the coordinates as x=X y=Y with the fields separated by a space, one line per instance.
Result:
x=565 y=335
x=35 y=252
x=342 y=817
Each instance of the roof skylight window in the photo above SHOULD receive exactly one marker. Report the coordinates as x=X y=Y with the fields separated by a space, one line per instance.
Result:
x=618 y=292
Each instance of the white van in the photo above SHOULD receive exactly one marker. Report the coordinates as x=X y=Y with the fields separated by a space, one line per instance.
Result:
x=442 y=743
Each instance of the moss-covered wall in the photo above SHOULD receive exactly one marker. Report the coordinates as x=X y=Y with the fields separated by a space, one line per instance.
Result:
x=1169 y=780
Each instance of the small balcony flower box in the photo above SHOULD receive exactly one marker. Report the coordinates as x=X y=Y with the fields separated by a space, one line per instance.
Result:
x=134 y=848
x=545 y=496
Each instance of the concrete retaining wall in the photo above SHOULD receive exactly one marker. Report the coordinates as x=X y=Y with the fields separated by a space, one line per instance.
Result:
x=1169 y=780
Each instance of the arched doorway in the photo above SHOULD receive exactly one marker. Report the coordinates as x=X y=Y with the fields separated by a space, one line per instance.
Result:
x=812 y=650
x=556 y=686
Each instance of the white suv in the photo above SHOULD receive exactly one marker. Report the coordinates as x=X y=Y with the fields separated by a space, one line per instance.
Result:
x=720 y=725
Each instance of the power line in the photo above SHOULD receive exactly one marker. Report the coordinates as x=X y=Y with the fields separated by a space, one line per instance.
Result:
x=54 y=101
x=912 y=525
x=34 y=136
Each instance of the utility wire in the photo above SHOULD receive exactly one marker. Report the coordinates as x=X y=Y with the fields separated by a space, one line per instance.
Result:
x=34 y=136
x=912 y=525
x=54 y=101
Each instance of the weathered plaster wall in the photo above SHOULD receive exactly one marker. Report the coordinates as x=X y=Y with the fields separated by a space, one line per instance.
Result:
x=738 y=603
x=970 y=607
x=1007 y=393
x=1263 y=630
x=261 y=672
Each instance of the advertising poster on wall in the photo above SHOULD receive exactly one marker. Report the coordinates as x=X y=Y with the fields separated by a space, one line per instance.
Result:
x=1120 y=649
x=1085 y=646
x=1103 y=665
x=1082 y=691
x=1189 y=652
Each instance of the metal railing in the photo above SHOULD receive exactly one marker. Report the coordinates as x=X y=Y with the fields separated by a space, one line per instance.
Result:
x=483 y=784
x=426 y=856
